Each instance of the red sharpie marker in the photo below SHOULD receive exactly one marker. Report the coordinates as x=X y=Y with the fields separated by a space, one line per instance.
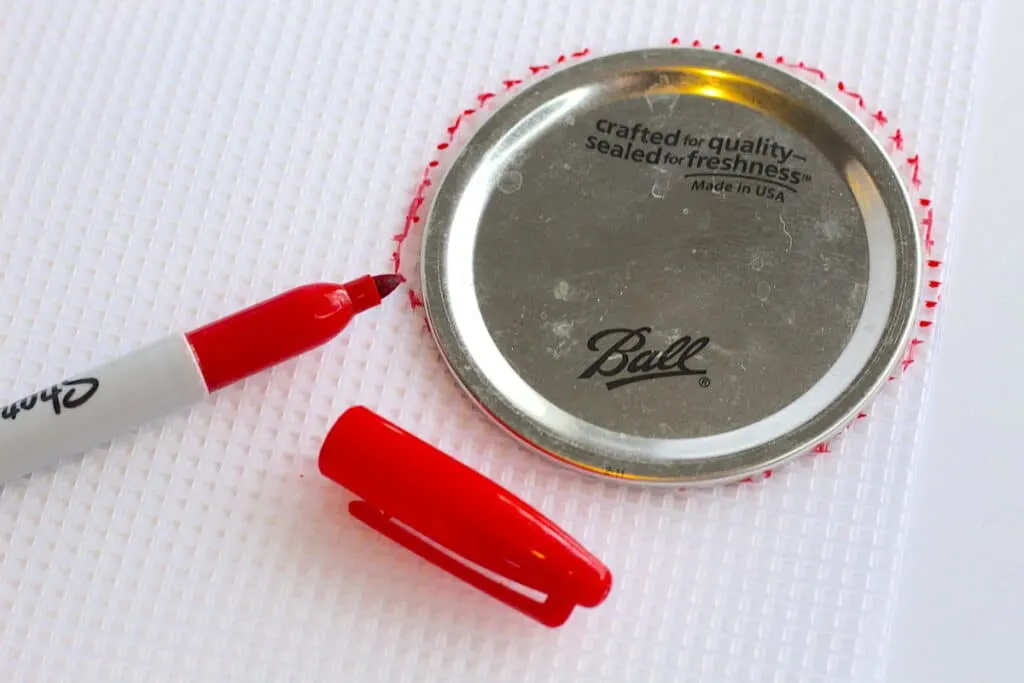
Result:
x=90 y=409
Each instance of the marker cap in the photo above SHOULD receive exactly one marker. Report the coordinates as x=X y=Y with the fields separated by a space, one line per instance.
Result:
x=456 y=518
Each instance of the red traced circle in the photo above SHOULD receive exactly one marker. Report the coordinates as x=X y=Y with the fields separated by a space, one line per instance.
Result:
x=878 y=120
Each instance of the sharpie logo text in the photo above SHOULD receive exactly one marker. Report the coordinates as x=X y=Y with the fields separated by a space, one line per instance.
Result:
x=67 y=395
x=625 y=359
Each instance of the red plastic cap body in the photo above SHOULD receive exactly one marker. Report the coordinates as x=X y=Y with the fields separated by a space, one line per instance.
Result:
x=411 y=490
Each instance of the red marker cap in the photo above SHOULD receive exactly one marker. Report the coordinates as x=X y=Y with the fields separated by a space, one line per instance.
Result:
x=460 y=520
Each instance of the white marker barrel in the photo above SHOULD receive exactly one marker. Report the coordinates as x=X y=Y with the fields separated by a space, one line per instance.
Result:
x=92 y=408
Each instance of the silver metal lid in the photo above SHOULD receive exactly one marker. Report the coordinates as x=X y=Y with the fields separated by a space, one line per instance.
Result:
x=671 y=266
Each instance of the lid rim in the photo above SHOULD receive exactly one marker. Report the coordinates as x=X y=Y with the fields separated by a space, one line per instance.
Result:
x=825 y=424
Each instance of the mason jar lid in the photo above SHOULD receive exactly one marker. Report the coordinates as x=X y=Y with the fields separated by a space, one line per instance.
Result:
x=671 y=266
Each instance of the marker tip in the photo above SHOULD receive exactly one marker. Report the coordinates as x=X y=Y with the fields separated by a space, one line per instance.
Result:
x=386 y=284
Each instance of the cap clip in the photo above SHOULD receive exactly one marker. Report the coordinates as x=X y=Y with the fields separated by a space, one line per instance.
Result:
x=461 y=521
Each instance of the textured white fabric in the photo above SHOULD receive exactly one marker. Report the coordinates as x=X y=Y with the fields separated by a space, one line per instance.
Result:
x=164 y=163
